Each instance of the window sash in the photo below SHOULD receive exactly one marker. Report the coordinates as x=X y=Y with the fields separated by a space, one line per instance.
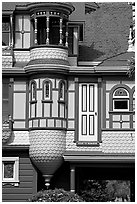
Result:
x=120 y=109
x=14 y=160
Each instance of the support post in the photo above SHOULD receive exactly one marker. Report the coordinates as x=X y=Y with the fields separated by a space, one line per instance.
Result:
x=11 y=30
x=35 y=32
x=47 y=30
x=60 y=31
x=72 y=179
x=66 y=44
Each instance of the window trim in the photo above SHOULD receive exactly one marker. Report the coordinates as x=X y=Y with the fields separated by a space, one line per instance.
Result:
x=120 y=99
x=62 y=100
x=49 y=99
x=15 y=178
x=121 y=111
x=9 y=31
x=32 y=100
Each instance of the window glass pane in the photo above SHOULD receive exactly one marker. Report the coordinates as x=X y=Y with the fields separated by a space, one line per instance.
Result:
x=121 y=92
x=61 y=91
x=33 y=91
x=5 y=30
x=8 y=169
x=18 y=23
x=18 y=40
x=26 y=23
x=81 y=32
x=119 y=104
x=46 y=90
x=5 y=39
x=41 y=35
x=54 y=31
x=26 y=40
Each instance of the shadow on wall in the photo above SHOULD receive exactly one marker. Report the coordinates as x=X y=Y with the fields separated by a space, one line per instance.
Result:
x=88 y=53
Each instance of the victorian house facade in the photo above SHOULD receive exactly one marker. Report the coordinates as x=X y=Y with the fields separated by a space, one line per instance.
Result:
x=68 y=105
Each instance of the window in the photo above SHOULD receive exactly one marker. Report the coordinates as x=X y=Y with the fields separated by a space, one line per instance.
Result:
x=61 y=99
x=22 y=31
x=33 y=91
x=62 y=91
x=121 y=109
x=5 y=31
x=121 y=100
x=10 y=170
x=75 y=34
x=47 y=90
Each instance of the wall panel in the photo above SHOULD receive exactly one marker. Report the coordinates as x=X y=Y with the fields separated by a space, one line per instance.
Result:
x=27 y=179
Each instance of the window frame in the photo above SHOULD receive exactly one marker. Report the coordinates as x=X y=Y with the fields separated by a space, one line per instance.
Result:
x=120 y=98
x=15 y=178
x=49 y=99
x=62 y=99
x=121 y=112
x=9 y=31
x=33 y=100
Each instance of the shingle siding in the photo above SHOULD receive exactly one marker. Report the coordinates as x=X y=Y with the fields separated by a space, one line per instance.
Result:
x=106 y=31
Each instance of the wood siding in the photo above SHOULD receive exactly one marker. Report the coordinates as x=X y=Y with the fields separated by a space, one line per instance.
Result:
x=27 y=179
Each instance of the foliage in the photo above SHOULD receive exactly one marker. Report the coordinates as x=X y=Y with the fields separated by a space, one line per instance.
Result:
x=95 y=191
x=105 y=190
x=118 y=189
x=57 y=195
x=131 y=64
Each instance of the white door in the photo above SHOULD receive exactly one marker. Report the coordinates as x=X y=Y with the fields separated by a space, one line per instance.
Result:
x=88 y=112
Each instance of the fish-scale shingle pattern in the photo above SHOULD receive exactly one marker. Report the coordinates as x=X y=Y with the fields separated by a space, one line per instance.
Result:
x=71 y=145
x=118 y=142
x=19 y=138
x=112 y=142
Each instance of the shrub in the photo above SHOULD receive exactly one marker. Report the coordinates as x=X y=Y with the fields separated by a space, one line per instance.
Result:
x=57 y=195
x=94 y=191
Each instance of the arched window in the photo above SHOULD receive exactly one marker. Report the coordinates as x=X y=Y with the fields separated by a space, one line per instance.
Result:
x=62 y=91
x=47 y=89
x=120 y=100
x=33 y=91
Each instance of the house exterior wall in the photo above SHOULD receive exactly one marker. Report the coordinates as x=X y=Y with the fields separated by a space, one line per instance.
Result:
x=27 y=178
x=59 y=106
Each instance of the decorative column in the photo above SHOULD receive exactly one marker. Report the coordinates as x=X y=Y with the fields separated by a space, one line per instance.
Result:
x=35 y=31
x=60 y=31
x=72 y=179
x=47 y=30
x=66 y=44
x=11 y=30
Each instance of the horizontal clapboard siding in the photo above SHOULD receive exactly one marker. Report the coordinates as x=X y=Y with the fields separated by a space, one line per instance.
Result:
x=27 y=179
